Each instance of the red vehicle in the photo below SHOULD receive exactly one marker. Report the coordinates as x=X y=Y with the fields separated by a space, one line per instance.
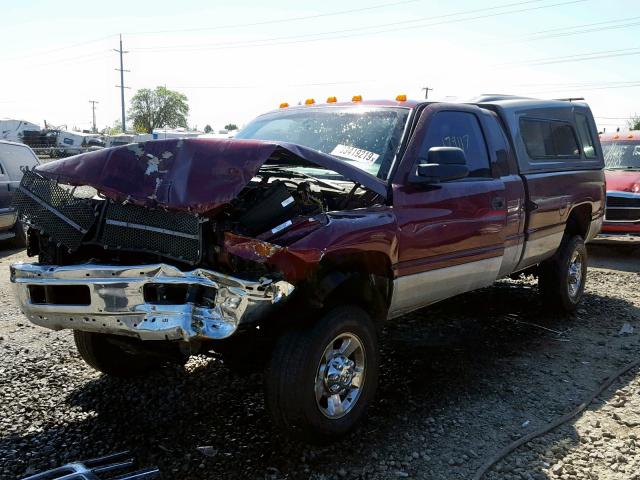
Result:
x=289 y=245
x=622 y=171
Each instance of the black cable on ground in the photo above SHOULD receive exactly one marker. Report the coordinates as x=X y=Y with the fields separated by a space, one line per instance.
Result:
x=556 y=423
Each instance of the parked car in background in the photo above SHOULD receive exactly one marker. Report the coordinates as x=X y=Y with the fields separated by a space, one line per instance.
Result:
x=622 y=170
x=13 y=156
x=290 y=245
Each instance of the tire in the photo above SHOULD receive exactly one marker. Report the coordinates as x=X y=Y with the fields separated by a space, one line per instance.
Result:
x=562 y=278
x=107 y=354
x=299 y=404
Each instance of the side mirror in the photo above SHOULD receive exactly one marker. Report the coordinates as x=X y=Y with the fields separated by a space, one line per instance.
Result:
x=443 y=164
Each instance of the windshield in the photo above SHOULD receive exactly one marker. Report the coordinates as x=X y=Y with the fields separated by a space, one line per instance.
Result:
x=365 y=137
x=621 y=155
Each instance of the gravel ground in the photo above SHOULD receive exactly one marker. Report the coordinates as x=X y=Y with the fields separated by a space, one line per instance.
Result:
x=459 y=381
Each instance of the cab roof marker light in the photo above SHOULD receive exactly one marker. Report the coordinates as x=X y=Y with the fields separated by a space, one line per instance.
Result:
x=332 y=100
x=356 y=98
x=284 y=105
x=401 y=98
x=309 y=101
x=630 y=135
x=616 y=136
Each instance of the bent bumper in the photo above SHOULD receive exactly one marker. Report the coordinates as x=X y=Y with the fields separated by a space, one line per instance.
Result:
x=116 y=300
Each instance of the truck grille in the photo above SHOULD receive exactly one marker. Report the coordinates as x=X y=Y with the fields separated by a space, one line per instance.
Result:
x=68 y=220
x=623 y=208
x=171 y=234
x=47 y=206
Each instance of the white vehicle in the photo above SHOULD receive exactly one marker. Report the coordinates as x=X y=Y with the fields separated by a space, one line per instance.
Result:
x=165 y=133
x=72 y=143
x=12 y=130
x=219 y=134
x=118 y=140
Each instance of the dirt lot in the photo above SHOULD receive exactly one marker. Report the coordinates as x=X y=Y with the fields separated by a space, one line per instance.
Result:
x=459 y=381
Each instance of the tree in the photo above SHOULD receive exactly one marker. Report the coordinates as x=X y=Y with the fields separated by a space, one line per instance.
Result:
x=634 y=122
x=114 y=130
x=158 y=108
x=230 y=126
x=208 y=129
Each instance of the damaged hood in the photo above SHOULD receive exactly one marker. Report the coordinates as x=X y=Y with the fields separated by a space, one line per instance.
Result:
x=195 y=174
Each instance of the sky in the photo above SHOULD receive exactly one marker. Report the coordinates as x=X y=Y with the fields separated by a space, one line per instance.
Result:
x=235 y=60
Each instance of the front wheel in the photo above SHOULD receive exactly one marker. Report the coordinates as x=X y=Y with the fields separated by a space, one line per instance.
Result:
x=562 y=278
x=121 y=356
x=20 y=238
x=322 y=377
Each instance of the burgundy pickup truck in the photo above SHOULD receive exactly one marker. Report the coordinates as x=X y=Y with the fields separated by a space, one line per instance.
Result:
x=289 y=245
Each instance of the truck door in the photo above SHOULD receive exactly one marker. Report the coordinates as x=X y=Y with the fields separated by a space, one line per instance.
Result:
x=451 y=234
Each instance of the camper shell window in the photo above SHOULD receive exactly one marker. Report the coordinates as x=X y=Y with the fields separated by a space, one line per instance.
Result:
x=549 y=139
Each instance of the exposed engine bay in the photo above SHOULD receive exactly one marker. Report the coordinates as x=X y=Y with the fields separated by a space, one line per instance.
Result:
x=69 y=225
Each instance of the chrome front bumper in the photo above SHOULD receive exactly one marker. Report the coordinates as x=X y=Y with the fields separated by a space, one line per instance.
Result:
x=116 y=300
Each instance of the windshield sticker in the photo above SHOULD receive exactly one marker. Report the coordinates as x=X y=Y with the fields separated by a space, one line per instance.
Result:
x=287 y=201
x=353 y=153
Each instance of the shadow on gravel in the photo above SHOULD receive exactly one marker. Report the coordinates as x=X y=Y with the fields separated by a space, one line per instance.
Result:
x=455 y=386
x=625 y=258
x=6 y=249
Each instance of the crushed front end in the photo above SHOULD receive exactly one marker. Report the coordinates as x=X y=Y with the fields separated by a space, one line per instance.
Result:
x=161 y=260
x=103 y=268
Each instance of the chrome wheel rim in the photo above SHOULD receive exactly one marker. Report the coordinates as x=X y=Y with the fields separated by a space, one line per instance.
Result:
x=574 y=279
x=340 y=376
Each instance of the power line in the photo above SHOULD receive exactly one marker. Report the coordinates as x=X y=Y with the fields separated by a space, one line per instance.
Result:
x=348 y=33
x=263 y=85
x=574 y=30
x=280 y=20
x=58 y=49
x=122 y=87
x=615 y=118
x=559 y=29
x=577 y=57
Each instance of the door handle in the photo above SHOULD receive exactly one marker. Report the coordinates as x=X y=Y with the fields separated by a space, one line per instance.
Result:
x=498 y=203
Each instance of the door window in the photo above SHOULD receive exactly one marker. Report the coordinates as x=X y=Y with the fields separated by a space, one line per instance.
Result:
x=461 y=130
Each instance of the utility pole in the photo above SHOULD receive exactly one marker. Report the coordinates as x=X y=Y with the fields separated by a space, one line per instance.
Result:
x=93 y=107
x=426 y=92
x=122 y=87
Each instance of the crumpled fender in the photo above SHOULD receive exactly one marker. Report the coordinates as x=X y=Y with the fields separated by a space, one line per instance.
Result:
x=195 y=174
x=295 y=264
x=298 y=252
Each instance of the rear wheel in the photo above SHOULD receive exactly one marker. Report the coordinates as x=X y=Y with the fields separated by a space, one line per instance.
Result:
x=322 y=378
x=562 y=278
x=121 y=356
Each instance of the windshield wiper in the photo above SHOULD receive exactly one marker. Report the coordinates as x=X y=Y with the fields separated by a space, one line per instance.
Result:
x=324 y=183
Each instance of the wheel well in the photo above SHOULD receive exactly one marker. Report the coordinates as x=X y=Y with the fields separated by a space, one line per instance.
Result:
x=579 y=221
x=364 y=279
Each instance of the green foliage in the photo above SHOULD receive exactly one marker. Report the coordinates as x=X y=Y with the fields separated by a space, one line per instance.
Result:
x=116 y=129
x=208 y=129
x=157 y=109
x=230 y=126
x=634 y=122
